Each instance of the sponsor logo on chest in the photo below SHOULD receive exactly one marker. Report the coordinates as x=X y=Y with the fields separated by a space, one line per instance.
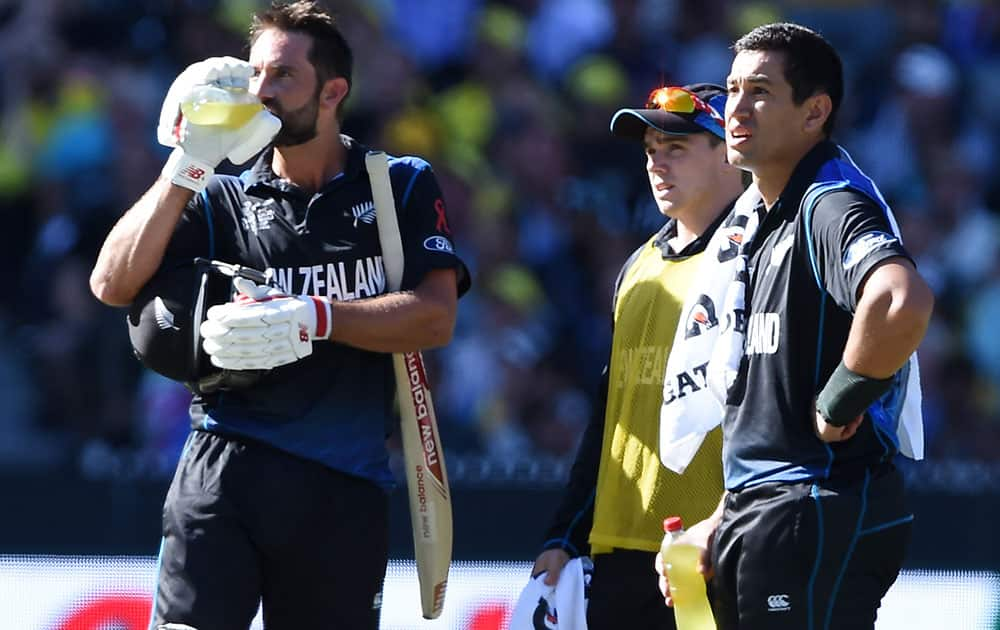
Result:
x=257 y=216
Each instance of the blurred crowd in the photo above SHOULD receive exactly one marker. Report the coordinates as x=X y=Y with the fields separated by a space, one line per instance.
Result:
x=510 y=101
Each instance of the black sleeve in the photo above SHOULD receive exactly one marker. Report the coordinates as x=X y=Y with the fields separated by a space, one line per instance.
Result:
x=191 y=237
x=850 y=235
x=427 y=237
x=573 y=519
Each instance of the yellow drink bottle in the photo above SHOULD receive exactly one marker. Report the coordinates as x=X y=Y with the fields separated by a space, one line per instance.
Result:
x=218 y=106
x=687 y=587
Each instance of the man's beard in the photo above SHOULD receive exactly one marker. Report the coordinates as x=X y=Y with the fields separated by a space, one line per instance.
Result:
x=298 y=126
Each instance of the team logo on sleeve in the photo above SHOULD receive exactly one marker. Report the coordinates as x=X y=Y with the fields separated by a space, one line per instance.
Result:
x=866 y=244
x=438 y=244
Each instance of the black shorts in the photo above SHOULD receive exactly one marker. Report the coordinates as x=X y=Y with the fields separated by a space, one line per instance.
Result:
x=624 y=593
x=245 y=524
x=810 y=556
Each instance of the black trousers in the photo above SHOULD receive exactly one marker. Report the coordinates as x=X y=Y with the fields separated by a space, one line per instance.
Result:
x=812 y=555
x=245 y=524
x=624 y=593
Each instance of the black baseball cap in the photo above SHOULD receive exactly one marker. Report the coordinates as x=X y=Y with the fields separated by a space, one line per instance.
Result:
x=671 y=110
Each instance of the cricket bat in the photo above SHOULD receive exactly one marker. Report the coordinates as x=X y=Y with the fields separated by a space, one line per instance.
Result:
x=426 y=477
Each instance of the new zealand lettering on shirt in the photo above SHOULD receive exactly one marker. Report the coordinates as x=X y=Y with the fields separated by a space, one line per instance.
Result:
x=337 y=281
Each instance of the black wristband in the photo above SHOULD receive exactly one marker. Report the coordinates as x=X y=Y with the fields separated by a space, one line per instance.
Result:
x=847 y=394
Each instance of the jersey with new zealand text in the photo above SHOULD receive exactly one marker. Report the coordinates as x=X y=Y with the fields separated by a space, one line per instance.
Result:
x=807 y=263
x=334 y=406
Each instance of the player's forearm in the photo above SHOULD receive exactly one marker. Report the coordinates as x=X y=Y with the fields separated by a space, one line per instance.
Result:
x=134 y=248
x=890 y=320
x=400 y=322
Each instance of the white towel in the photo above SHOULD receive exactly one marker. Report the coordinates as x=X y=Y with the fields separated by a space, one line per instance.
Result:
x=559 y=607
x=911 y=420
x=708 y=345
x=724 y=366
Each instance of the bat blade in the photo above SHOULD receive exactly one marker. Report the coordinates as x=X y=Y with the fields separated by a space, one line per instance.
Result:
x=426 y=480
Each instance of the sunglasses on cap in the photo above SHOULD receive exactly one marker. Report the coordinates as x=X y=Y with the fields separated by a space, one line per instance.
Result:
x=677 y=100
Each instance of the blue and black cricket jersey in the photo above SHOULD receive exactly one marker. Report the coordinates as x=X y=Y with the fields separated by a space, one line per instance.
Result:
x=808 y=260
x=335 y=406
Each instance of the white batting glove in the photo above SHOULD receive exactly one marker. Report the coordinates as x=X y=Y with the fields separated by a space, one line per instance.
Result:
x=200 y=148
x=264 y=328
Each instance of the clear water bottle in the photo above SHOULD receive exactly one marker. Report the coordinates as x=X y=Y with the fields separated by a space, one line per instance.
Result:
x=228 y=107
x=687 y=587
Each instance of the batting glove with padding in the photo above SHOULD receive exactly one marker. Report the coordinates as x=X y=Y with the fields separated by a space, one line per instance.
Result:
x=200 y=148
x=264 y=328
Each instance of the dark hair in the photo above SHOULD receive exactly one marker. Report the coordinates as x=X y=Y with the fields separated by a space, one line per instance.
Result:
x=329 y=54
x=812 y=65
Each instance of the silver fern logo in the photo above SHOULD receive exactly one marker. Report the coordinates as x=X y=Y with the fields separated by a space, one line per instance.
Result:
x=364 y=212
x=164 y=318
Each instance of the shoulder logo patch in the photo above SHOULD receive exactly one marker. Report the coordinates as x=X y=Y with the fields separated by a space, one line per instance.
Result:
x=438 y=244
x=866 y=244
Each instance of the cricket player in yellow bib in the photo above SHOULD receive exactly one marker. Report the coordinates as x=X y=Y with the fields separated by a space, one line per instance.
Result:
x=619 y=492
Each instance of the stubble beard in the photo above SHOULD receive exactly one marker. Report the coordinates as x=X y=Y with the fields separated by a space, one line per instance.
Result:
x=297 y=126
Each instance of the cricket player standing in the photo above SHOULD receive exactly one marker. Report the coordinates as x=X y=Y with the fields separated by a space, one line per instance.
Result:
x=279 y=498
x=619 y=493
x=814 y=526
